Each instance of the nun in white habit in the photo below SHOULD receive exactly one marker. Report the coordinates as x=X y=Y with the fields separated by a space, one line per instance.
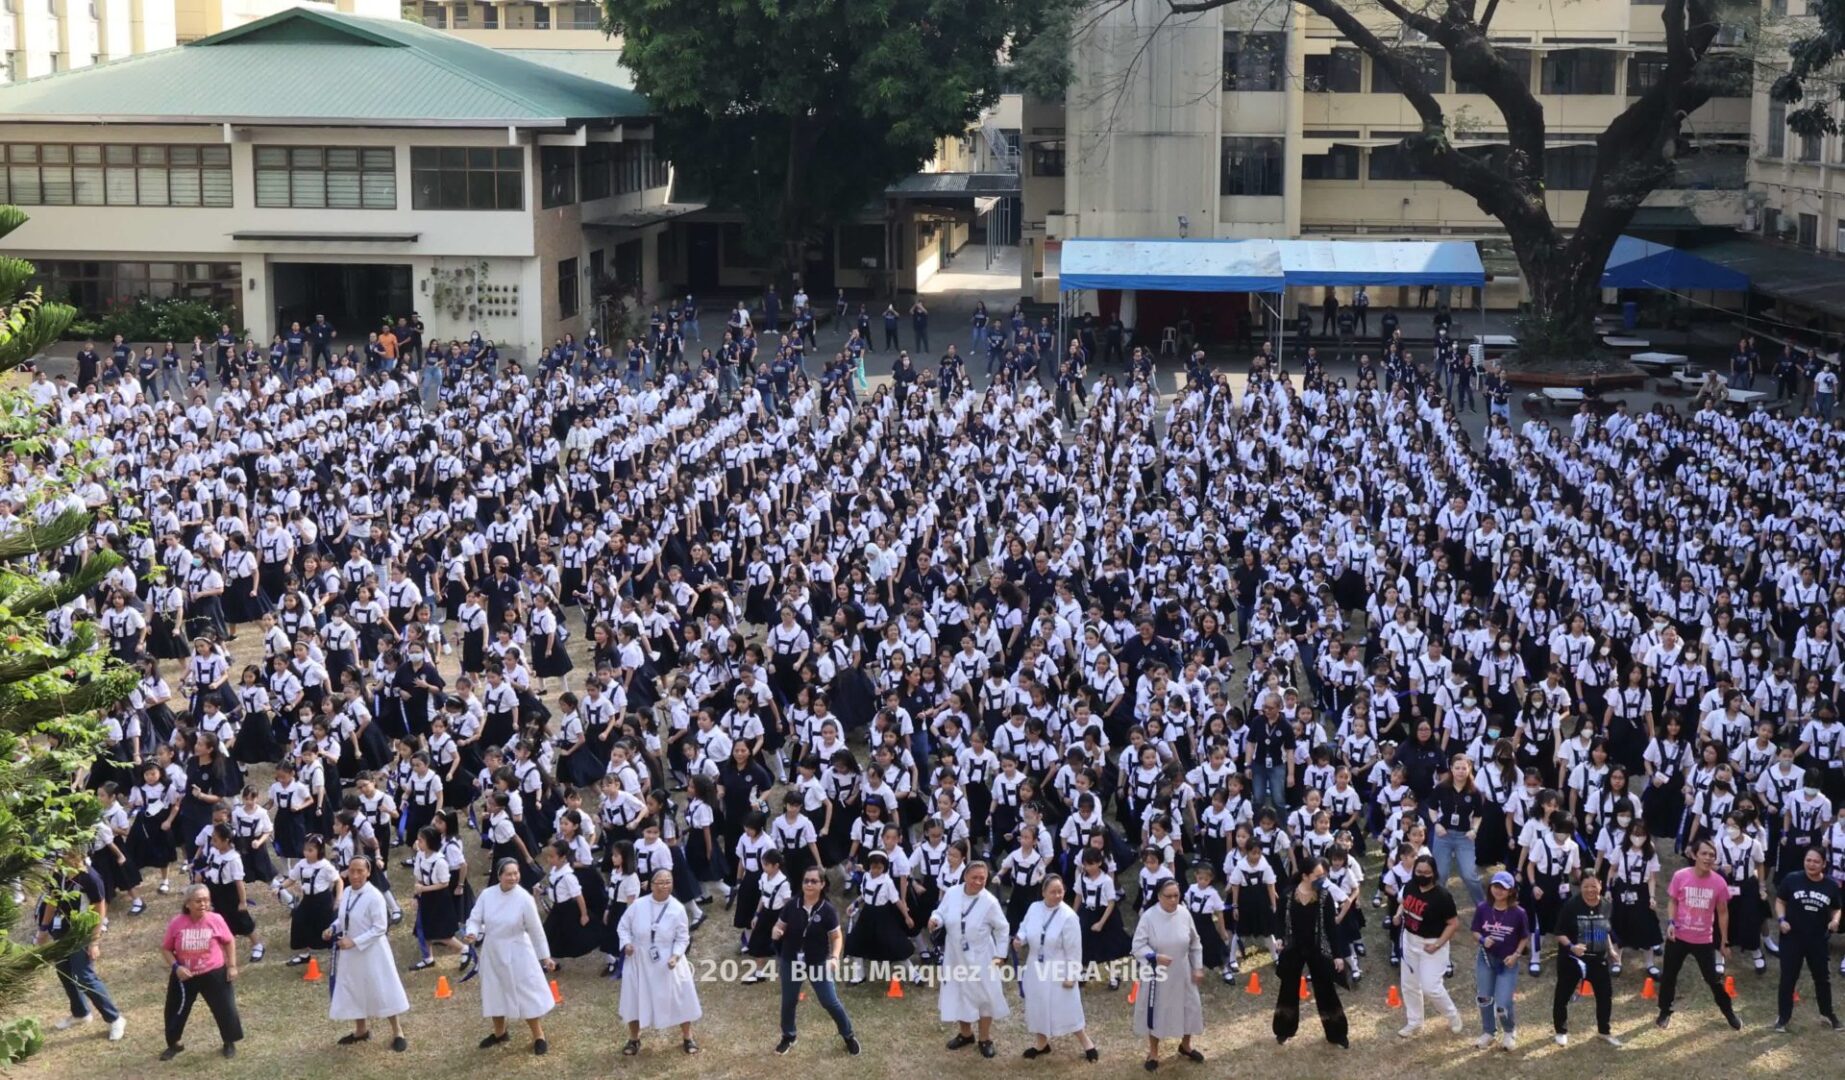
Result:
x=365 y=981
x=511 y=956
x=975 y=941
x=657 y=985
x=1169 y=958
x=1052 y=934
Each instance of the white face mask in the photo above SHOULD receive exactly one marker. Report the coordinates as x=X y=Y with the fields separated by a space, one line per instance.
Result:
x=1636 y=841
x=1624 y=820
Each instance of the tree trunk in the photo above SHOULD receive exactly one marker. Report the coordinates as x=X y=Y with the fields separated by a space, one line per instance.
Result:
x=1558 y=329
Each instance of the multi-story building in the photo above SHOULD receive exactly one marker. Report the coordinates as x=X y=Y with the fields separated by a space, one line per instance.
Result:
x=1266 y=123
x=312 y=162
x=40 y=37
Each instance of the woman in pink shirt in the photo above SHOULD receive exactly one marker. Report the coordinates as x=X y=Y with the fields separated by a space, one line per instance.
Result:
x=1698 y=918
x=197 y=946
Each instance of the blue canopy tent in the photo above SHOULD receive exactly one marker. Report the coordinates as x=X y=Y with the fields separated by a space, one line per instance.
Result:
x=1641 y=264
x=1264 y=266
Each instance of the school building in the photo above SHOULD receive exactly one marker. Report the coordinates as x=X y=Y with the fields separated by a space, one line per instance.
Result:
x=317 y=162
x=1263 y=122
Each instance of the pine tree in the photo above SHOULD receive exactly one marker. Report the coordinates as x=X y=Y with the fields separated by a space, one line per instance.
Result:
x=50 y=692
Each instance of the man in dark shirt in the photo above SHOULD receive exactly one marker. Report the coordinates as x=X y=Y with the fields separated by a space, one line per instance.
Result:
x=322 y=333
x=1807 y=906
x=88 y=364
x=1582 y=956
x=76 y=889
x=810 y=945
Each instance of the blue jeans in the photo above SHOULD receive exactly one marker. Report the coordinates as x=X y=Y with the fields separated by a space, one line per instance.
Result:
x=1271 y=785
x=78 y=976
x=1494 y=985
x=824 y=991
x=1453 y=853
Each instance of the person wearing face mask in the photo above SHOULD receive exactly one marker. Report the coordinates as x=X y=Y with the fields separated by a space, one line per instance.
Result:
x=1310 y=943
x=1503 y=673
x=1633 y=866
x=1429 y=919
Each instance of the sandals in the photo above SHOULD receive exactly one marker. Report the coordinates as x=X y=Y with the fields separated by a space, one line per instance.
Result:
x=632 y=1048
x=689 y=1046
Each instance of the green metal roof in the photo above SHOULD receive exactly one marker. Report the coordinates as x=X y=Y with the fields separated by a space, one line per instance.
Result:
x=308 y=66
x=602 y=65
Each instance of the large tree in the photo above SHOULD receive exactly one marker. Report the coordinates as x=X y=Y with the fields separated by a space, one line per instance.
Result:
x=1561 y=261
x=799 y=113
x=50 y=689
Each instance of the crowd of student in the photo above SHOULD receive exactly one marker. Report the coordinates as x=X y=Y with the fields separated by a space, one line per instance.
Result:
x=1310 y=638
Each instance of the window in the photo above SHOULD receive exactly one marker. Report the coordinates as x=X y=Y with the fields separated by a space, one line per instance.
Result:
x=628 y=264
x=1391 y=163
x=1519 y=60
x=433 y=16
x=466 y=178
x=1811 y=145
x=1339 y=72
x=1431 y=63
x=461 y=16
x=566 y=288
x=1771 y=222
x=1809 y=231
x=490 y=16
x=621 y=169
x=93 y=287
x=1644 y=70
x=583 y=17
x=1578 y=71
x=1338 y=163
x=65 y=174
x=1255 y=59
x=541 y=16
x=336 y=178
x=597 y=265
x=1047 y=157
x=1252 y=166
x=557 y=167
x=1569 y=168
x=1777 y=129
x=861 y=247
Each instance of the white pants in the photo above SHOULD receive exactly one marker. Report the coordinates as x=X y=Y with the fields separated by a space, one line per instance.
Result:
x=1423 y=990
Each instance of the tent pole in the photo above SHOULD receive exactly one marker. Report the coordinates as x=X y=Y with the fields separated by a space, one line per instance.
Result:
x=1281 y=322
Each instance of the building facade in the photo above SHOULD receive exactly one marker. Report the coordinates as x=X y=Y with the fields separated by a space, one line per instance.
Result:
x=373 y=170
x=1229 y=123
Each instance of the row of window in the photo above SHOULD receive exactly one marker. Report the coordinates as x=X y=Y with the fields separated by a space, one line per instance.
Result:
x=65 y=174
x=517 y=17
x=598 y=170
x=1807 y=148
x=95 y=286
x=1562 y=72
x=1566 y=168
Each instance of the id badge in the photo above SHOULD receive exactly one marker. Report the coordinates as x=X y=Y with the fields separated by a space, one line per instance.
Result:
x=965 y=947
x=57 y=924
x=653 y=954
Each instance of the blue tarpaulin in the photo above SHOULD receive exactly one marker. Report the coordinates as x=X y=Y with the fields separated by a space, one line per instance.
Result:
x=1641 y=264
x=1265 y=265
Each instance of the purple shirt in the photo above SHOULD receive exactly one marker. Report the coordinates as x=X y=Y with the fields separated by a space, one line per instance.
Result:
x=1500 y=932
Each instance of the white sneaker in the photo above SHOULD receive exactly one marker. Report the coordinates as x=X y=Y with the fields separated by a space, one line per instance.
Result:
x=1409 y=1031
x=1454 y=1023
x=116 y=1027
x=1508 y=1042
x=70 y=1022
x=1484 y=1041
x=1560 y=1040
x=1610 y=1040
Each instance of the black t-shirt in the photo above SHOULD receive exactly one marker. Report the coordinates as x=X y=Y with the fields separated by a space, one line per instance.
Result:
x=1809 y=903
x=806 y=933
x=1426 y=914
x=1584 y=925
x=75 y=891
x=1456 y=810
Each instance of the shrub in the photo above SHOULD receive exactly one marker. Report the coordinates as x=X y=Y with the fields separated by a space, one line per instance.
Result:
x=146 y=319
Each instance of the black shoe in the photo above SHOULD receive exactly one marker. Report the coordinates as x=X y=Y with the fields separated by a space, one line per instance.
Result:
x=852 y=1046
x=1032 y=1053
x=171 y=1052
x=1831 y=1022
x=1092 y=1054
x=785 y=1045
x=399 y=1044
x=493 y=1040
x=960 y=1041
x=986 y=1049
x=1151 y=1064
x=1664 y=1019
x=540 y=1047
x=1734 y=1020
x=230 y=1050
x=352 y=1037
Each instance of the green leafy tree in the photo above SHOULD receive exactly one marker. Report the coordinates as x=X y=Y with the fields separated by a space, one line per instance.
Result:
x=1813 y=76
x=50 y=693
x=800 y=113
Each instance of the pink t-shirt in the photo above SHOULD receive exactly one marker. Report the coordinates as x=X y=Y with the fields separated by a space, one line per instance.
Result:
x=1697 y=896
x=198 y=943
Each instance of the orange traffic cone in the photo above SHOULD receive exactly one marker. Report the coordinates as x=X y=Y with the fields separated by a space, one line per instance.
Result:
x=557 y=996
x=313 y=971
x=1796 y=997
x=1582 y=989
x=1254 y=989
x=1133 y=992
x=1393 y=999
x=803 y=995
x=443 y=993
x=1729 y=985
x=1648 y=991
x=895 y=990
x=1304 y=992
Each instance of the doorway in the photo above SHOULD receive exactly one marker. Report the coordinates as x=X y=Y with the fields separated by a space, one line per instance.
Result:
x=355 y=297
